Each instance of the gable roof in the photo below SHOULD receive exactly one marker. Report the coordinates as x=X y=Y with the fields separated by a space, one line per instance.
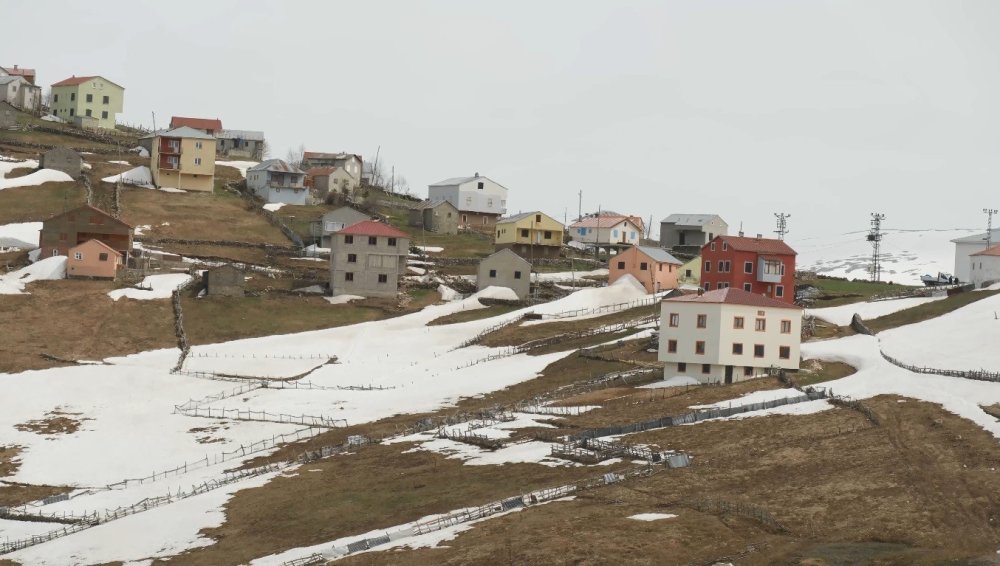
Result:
x=523 y=215
x=606 y=221
x=658 y=255
x=454 y=181
x=18 y=71
x=13 y=78
x=373 y=228
x=691 y=219
x=75 y=80
x=186 y=132
x=993 y=251
x=505 y=252
x=196 y=123
x=98 y=242
x=63 y=150
x=249 y=135
x=320 y=171
x=276 y=165
x=346 y=210
x=733 y=296
x=89 y=208
x=978 y=238
x=758 y=245
x=427 y=203
x=325 y=155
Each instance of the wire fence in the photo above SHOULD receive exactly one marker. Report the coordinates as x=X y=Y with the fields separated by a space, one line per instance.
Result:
x=605 y=309
x=978 y=375
x=262 y=416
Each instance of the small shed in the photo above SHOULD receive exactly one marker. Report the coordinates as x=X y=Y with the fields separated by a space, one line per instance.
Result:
x=62 y=159
x=8 y=116
x=440 y=217
x=505 y=269
x=87 y=122
x=94 y=259
x=224 y=281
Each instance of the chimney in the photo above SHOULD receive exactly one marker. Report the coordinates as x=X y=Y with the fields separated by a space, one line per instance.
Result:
x=759 y=236
x=477 y=173
x=15 y=67
x=741 y=233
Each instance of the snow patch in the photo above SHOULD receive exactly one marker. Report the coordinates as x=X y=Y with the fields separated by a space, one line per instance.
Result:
x=651 y=516
x=343 y=299
x=153 y=287
x=273 y=206
x=20 y=236
x=48 y=269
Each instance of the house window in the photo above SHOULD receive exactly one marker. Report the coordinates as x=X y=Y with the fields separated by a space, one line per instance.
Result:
x=702 y=321
x=747 y=267
x=682 y=367
x=725 y=246
x=517 y=275
x=489 y=203
x=383 y=278
x=729 y=266
x=643 y=266
x=197 y=161
x=758 y=350
x=465 y=219
x=62 y=237
x=55 y=98
x=738 y=322
x=104 y=114
x=786 y=327
x=348 y=239
x=77 y=255
x=784 y=352
x=671 y=346
x=779 y=291
x=107 y=99
x=773 y=267
x=352 y=258
x=548 y=235
x=708 y=286
x=706 y=368
x=90 y=98
x=55 y=252
x=621 y=265
x=760 y=325
x=392 y=242
x=675 y=320
x=349 y=276
x=737 y=349
x=89 y=112
x=748 y=287
x=699 y=347
x=538 y=218
x=748 y=372
x=720 y=285
x=372 y=240
x=480 y=185
x=102 y=257
x=712 y=246
x=72 y=96
x=72 y=111
x=524 y=233
x=197 y=145
x=493 y=273
x=708 y=266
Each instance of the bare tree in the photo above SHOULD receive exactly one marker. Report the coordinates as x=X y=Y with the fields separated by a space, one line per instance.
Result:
x=375 y=171
x=295 y=156
x=265 y=150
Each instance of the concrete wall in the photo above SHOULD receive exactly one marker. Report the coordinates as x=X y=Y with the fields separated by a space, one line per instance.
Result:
x=984 y=269
x=531 y=252
x=655 y=277
x=468 y=197
x=441 y=219
x=355 y=266
x=719 y=335
x=197 y=166
x=336 y=220
x=70 y=101
x=965 y=249
x=225 y=281
x=670 y=234
x=91 y=259
x=505 y=269
x=62 y=159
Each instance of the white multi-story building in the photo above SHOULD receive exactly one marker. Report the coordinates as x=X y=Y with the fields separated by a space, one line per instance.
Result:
x=728 y=335
x=480 y=201
x=965 y=247
x=984 y=267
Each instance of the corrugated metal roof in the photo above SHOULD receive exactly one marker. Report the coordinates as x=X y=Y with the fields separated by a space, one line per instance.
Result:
x=277 y=165
x=186 y=132
x=659 y=255
x=691 y=219
x=606 y=221
x=978 y=238
x=522 y=216
x=323 y=155
x=249 y=135
x=759 y=245
x=427 y=203
x=461 y=180
x=8 y=80
x=733 y=296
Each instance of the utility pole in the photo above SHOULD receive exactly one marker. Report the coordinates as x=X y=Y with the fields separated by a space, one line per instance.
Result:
x=782 y=224
x=875 y=237
x=989 y=226
x=579 y=205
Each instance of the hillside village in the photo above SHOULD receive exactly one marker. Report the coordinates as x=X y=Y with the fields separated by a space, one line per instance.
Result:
x=216 y=356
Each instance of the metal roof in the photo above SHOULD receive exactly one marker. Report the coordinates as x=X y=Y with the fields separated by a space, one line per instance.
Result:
x=979 y=238
x=691 y=219
x=373 y=228
x=523 y=215
x=12 y=78
x=454 y=181
x=250 y=135
x=277 y=165
x=196 y=123
x=993 y=251
x=659 y=255
x=186 y=132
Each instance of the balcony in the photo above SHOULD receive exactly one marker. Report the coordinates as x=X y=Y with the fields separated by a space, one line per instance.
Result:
x=770 y=270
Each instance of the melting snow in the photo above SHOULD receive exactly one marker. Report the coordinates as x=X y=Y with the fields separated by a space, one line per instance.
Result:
x=49 y=268
x=152 y=287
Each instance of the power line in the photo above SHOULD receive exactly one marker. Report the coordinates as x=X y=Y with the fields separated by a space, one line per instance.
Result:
x=782 y=224
x=875 y=237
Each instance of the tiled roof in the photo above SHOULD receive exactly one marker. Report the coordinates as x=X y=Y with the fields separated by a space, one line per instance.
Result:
x=74 y=80
x=86 y=207
x=196 y=123
x=733 y=296
x=599 y=222
x=659 y=255
x=19 y=72
x=994 y=251
x=112 y=250
x=372 y=228
x=758 y=245
x=276 y=165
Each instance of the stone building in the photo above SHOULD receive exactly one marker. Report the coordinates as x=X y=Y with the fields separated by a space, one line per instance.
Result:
x=224 y=281
x=62 y=159
x=440 y=217
x=367 y=259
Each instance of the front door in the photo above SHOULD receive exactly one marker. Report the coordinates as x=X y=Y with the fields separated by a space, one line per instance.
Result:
x=729 y=374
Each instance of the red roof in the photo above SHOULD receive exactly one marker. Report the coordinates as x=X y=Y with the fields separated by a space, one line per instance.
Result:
x=74 y=80
x=372 y=228
x=16 y=71
x=196 y=123
x=758 y=245
x=994 y=251
x=733 y=296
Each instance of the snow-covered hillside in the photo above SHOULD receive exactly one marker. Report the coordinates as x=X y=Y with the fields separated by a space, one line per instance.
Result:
x=906 y=254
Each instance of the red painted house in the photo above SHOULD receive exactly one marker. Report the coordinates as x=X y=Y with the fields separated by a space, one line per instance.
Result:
x=762 y=266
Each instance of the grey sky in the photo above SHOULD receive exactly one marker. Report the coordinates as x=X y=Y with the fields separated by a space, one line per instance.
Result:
x=826 y=110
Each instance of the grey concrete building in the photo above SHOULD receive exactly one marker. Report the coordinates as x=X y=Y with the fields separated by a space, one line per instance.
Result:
x=336 y=220
x=691 y=229
x=248 y=144
x=224 y=281
x=505 y=269
x=367 y=258
x=62 y=159
x=441 y=217
x=8 y=116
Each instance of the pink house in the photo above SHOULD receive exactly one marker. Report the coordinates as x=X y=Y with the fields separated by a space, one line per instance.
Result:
x=93 y=258
x=654 y=268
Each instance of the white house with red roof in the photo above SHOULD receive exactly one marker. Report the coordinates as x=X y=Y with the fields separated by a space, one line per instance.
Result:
x=984 y=267
x=344 y=169
x=728 y=335
x=16 y=71
x=607 y=230
x=89 y=101
x=367 y=258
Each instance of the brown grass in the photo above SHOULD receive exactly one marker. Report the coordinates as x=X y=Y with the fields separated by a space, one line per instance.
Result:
x=55 y=422
x=519 y=333
x=13 y=494
x=474 y=314
x=34 y=204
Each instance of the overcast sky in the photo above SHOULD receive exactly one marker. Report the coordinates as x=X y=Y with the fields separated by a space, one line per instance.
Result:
x=825 y=110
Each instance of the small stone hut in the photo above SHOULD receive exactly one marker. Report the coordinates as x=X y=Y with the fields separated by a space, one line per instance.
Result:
x=224 y=281
x=62 y=159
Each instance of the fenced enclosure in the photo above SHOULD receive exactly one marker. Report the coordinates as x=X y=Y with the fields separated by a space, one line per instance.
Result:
x=978 y=375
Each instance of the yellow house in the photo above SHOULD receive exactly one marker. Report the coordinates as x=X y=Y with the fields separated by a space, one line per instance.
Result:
x=183 y=158
x=690 y=272
x=530 y=235
x=90 y=100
